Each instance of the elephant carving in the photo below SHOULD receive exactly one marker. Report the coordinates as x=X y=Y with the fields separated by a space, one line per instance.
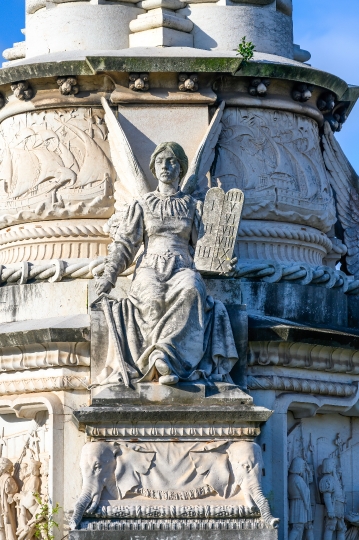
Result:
x=116 y=467
x=228 y=468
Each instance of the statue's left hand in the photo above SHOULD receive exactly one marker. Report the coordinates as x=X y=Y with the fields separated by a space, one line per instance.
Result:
x=231 y=272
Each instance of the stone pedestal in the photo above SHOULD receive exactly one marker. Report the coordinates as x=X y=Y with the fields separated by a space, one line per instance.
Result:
x=184 y=459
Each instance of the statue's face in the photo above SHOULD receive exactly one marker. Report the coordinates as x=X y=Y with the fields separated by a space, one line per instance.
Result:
x=167 y=167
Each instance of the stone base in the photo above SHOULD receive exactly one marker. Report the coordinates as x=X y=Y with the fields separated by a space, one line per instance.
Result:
x=161 y=37
x=175 y=534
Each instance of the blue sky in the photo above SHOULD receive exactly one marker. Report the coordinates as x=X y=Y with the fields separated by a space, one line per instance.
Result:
x=327 y=28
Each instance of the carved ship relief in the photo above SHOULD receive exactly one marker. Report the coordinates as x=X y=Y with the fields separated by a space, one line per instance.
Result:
x=55 y=164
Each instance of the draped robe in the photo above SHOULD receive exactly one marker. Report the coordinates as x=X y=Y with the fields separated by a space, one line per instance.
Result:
x=167 y=307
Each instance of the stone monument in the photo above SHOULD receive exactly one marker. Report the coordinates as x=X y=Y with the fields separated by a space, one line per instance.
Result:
x=179 y=277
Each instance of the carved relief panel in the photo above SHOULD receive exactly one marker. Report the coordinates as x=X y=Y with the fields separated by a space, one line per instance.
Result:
x=275 y=158
x=24 y=473
x=328 y=448
x=55 y=164
x=180 y=479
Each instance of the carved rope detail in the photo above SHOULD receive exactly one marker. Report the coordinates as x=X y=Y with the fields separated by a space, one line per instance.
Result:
x=260 y=230
x=304 y=356
x=33 y=233
x=43 y=355
x=269 y=271
x=289 y=384
x=44 y=384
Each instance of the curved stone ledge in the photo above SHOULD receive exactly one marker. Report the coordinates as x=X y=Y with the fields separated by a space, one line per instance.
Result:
x=47 y=240
x=305 y=386
x=63 y=379
x=43 y=355
x=283 y=242
x=304 y=355
x=177 y=60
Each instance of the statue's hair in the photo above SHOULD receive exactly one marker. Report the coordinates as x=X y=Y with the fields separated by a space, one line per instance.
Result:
x=297 y=465
x=176 y=150
x=328 y=466
x=6 y=463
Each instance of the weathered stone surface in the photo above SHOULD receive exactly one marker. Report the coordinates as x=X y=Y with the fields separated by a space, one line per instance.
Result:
x=106 y=28
x=73 y=328
x=221 y=29
x=36 y=301
x=161 y=37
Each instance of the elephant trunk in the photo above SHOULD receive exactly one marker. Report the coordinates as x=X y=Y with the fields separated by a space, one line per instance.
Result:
x=263 y=505
x=88 y=496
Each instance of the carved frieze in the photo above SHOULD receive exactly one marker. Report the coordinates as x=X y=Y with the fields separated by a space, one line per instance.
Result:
x=57 y=239
x=55 y=164
x=44 y=355
x=39 y=383
x=275 y=158
x=309 y=356
x=305 y=386
x=205 y=473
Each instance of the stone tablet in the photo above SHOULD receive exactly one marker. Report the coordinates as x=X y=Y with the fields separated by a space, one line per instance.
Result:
x=218 y=231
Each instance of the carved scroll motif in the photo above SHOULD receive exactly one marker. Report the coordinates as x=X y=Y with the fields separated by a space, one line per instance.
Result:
x=218 y=231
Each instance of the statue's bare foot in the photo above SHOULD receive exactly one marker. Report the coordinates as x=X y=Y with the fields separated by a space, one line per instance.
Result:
x=166 y=374
x=168 y=379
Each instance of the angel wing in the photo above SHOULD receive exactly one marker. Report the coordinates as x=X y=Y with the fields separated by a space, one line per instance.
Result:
x=204 y=157
x=345 y=183
x=133 y=182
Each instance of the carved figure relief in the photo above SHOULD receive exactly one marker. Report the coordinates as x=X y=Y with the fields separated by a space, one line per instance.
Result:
x=26 y=502
x=8 y=488
x=54 y=164
x=24 y=477
x=155 y=478
x=275 y=158
x=300 y=510
x=330 y=473
x=334 y=499
x=168 y=328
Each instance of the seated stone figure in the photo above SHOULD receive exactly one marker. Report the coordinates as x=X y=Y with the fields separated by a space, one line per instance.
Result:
x=168 y=328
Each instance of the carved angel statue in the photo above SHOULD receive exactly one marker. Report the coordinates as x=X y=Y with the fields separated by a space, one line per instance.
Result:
x=345 y=183
x=168 y=328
